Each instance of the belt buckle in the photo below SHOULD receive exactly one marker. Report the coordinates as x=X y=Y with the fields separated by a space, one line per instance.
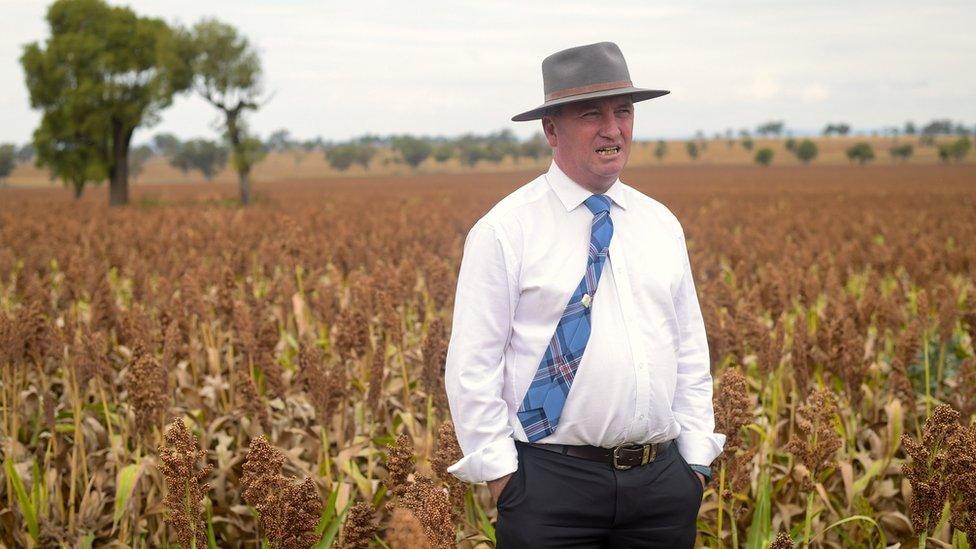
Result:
x=648 y=455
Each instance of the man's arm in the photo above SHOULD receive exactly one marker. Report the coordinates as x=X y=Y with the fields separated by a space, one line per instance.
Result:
x=692 y=406
x=474 y=375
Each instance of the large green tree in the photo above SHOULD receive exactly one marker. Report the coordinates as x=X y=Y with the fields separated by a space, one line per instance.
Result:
x=103 y=72
x=228 y=75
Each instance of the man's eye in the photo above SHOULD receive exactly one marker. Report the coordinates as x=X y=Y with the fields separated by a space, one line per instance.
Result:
x=623 y=111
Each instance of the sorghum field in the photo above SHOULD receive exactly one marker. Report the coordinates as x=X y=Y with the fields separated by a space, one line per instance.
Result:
x=186 y=372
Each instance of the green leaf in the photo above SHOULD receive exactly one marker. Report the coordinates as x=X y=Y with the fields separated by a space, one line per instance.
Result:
x=125 y=483
x=484 y=523
x=333 y=530
x=758 y=535
x=850 y=519
x=327 y=513
x=211 y=537
x=862 y=483
x=26 y=505
x=363 y=483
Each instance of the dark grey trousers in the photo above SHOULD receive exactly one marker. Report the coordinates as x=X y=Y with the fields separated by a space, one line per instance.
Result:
x=554 y=500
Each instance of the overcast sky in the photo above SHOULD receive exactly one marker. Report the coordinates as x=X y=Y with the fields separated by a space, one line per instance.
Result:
x=342 y=69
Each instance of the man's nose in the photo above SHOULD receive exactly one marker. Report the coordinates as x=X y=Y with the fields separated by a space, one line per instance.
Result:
x=611 y=126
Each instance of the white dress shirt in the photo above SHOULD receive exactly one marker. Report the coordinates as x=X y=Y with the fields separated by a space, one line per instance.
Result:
x=644 y=376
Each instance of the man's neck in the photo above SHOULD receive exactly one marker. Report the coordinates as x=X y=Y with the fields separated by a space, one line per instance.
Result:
x=598 y=187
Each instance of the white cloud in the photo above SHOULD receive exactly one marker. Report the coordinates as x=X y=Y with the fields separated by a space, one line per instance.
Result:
x=814 y=93
x=763 y=86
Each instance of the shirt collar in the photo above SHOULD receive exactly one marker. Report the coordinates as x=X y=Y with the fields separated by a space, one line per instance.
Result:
x=572 y=194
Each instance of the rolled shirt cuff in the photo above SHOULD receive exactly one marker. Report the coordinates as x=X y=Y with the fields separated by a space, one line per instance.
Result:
x=700 y=447
x=490 y=462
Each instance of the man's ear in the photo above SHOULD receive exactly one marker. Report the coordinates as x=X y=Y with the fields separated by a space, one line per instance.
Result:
x=549 y=128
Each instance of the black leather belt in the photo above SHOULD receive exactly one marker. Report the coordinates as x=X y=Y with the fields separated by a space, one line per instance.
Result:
x=624 y=456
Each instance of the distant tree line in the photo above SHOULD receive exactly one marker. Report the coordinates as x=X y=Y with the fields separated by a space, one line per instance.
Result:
x=208 y=157
x=468 y=149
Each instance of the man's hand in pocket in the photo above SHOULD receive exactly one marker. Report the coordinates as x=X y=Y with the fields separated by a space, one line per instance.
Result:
x=496 y=486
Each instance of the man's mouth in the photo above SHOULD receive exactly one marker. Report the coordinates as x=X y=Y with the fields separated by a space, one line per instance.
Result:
x=608 y=151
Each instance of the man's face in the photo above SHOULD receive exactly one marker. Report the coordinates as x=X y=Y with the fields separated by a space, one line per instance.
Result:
x=591 y=139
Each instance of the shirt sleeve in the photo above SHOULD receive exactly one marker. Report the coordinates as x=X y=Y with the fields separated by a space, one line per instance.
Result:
x=474 y=373
x=692 y=406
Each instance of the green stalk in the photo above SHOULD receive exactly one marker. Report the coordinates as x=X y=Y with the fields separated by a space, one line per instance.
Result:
x=721 y=501
x=808 y=520
x=429 y=427
x=928 y=390
x=735 y=526
x=326 y=465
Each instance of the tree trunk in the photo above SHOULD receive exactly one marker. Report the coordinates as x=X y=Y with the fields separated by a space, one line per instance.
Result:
x=77 y=187
x=118 y=193
x=240 y=163
x=245 y=185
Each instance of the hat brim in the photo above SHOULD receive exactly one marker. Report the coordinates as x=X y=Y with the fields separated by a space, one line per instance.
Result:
x=637 y=94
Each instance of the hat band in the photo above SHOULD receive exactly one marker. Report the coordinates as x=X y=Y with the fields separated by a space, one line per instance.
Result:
x=559 y=94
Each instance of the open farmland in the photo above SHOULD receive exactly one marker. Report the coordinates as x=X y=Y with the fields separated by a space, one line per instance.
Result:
x=300 y=344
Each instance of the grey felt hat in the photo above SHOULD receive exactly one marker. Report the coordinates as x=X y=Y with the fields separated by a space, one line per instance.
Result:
x=586 y=72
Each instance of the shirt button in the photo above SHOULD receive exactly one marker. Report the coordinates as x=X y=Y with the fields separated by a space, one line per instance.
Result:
x=640 y=416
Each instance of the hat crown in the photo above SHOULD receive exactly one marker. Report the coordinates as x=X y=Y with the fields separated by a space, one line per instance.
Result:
x=582 y=66
x=585 y=72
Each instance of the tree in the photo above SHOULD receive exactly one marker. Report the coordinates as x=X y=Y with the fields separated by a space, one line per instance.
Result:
x=443 y=152
x=840 y=128
x=536 y=146
x=660 y=149
x=8 y=160
x=764 y=156
x=208 y=157
x=747 y=143
x=790 y=144
x=902 y=152
x=341 y=157
x=280 y=141
x=470 y=153
x=138 y=158
x=910 y=128
x=860 y=152
x=692 y=149
x=955 y=150
x=364 y=154
x=228 y=76
x=165 y=144
x=344 y=155
x=103 y=72
x=72 y=145
x=938 y=127
x=26 y=153
x=413 y=150
x=806 y=151
x=773 y=127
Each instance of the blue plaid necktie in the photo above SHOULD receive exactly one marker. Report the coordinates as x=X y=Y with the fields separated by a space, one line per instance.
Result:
x=543 y=402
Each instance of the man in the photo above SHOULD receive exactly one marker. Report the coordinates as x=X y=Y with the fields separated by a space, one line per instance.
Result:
x=578 y=369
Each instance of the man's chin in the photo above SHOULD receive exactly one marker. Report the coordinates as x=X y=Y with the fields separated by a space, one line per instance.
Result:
x=609 y=171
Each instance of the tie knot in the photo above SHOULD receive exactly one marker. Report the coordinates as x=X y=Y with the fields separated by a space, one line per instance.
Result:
x=598 y=203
